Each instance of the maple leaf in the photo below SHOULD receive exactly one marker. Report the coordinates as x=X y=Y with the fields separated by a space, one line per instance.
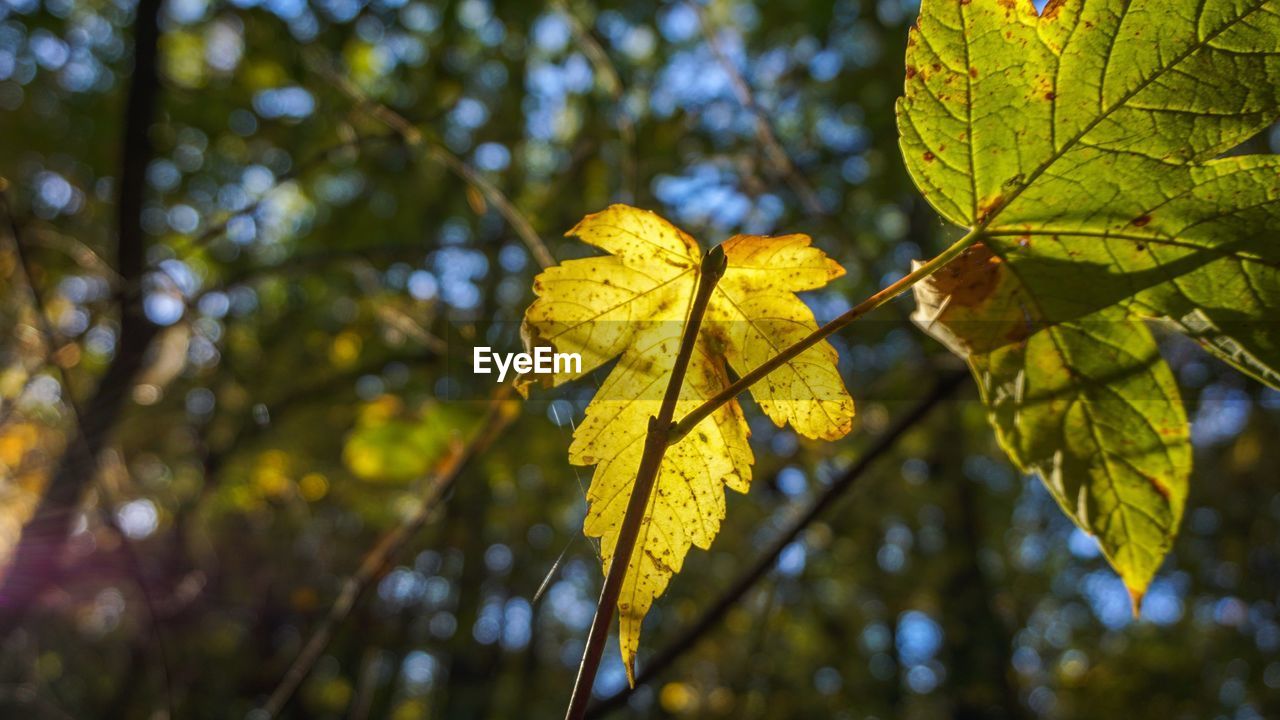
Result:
x=632 y=305
x=1092 y=149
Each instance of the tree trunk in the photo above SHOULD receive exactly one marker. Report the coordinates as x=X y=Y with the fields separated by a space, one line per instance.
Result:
x=39 y=549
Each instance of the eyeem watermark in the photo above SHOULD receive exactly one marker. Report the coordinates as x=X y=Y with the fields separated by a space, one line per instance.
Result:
x=541 y=361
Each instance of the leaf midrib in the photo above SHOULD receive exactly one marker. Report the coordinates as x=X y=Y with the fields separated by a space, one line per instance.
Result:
x=1123 y=506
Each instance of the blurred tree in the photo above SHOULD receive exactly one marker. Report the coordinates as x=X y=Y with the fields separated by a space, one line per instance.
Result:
x=233 y=254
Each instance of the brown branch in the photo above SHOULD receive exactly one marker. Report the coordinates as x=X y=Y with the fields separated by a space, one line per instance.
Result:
x=906 y=282
x=50 y=343
x=612 y=81
x=710 y=617
x=132 y=561
x=43 y=538
x=39 y=235
x=80 y=465
x=773 y=149
x=305 y=262
x=656 y=442
x=213 y=232
x=500 y=414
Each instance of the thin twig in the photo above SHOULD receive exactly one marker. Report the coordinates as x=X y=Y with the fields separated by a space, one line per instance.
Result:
x=49 y=349
x=213 y=232
x=499 y=416
x=774 y=150
x=414 y=137
x=305 y=262
x=612 y=81
x=764 y=128
x=79 y=252
x=710 y=617
x=655 y=447
x=906 y=282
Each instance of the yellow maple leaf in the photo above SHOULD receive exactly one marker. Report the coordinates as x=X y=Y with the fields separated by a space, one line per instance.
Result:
x=632 y=304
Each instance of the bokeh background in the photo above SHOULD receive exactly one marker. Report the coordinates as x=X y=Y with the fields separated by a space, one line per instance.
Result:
x=340 y=197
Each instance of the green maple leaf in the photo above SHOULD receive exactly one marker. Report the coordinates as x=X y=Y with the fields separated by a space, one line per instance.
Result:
x=1094 y=150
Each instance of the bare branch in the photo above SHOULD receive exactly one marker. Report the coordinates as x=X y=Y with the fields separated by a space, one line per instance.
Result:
x=774 y=151
x=84 y=450
x=655 y=447
x=216 y=230
x=710 y=617
x=906 y=282
x=415 y=139
x=43 y=538
x=502 y=410
x=764 y=128
x=613 y=85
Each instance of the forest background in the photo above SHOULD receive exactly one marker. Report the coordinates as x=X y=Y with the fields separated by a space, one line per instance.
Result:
x=247 y=247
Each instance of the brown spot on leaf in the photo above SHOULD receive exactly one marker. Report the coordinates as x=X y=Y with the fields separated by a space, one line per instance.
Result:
x=970 y=278
x=1019 y=332
x=1141 y=220
x=1052 y=9
x=989 y=205
x=973 y=71
x=928 y=156
x=1158 y=485
x=1050 y=96
x=911 y=71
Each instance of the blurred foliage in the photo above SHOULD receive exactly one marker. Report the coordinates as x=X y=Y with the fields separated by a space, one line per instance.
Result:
x=384 y=446
x=309 y=267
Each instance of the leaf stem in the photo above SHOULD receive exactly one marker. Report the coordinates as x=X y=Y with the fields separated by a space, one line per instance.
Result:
x=880 y=446
x=656 y=442
x=415 y=138
x=906 y=282
x=662 y=433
